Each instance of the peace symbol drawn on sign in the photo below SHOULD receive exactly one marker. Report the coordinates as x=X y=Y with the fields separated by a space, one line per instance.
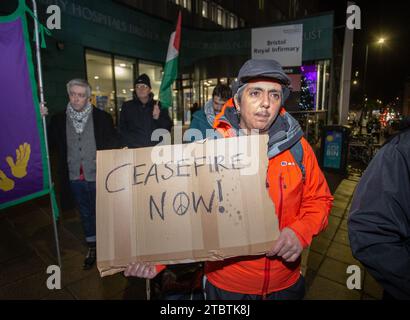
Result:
x=181 y=203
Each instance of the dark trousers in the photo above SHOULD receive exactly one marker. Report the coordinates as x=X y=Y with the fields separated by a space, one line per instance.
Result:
x=85 y=194
x=295 y=292
x=387 y=296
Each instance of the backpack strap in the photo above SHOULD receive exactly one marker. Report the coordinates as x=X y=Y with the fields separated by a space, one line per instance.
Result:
x=297 y=152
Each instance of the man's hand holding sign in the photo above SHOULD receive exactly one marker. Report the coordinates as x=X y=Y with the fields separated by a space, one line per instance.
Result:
x=287 y=246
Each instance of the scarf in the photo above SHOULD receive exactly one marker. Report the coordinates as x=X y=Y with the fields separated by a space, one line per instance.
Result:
x=284 y=132
x=79 y=118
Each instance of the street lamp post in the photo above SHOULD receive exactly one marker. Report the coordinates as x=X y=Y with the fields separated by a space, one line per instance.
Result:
x=365 y=70
x=379 y=42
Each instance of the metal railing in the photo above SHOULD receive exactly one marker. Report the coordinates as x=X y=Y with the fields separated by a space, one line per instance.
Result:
x=312 y=123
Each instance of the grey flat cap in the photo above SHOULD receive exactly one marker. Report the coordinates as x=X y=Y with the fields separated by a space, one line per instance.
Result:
x=254 y=68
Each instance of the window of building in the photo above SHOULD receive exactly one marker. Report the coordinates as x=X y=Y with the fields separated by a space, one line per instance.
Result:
x=154 y=72
x=112 y=79
x=175 y=112
x=207 y=86
x=124 y=70
x=220 y=16
x=308 y=90
x=315 y=86
x=186 y=4
x=224 y=81
x=217 y=14
x=101 y=78
x=213 y=12
x=196 y=92
x=231 y=81
x=205 y=9
x=226 y=20
x=188 y=102
x=203 y=85
x=202 y=89
x=234 y=21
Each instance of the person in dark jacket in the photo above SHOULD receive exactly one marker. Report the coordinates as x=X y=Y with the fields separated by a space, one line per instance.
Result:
x=379 y=220
x=195 y=107
x=76 y=134
x=140 y=117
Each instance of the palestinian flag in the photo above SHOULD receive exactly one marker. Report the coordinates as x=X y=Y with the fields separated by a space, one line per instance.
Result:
x=171 y=67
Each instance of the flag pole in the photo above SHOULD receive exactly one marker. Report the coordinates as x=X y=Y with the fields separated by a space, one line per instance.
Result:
x=40 y=85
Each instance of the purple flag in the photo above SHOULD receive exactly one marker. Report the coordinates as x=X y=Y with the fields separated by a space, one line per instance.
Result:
x=23 y=162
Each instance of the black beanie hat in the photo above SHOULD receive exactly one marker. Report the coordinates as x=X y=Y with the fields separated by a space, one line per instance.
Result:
x=143 y=78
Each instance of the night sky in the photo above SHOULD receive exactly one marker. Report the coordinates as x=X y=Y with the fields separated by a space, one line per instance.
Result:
x=388 y=66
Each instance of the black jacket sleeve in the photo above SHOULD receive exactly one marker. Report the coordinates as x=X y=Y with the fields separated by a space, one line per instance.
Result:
x=51 y=134
x=56 y=132
x=112 y=138
x=379 y=220
x=164 y=121
x=123 y=126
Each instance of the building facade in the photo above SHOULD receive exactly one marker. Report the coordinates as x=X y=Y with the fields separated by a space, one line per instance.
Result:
x=110 y=42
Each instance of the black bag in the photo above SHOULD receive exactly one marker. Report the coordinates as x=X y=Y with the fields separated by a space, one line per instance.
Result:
x=179 y=282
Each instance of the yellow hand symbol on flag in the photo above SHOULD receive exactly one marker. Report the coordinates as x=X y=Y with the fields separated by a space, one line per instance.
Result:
x=6 y=184
x=19 y=168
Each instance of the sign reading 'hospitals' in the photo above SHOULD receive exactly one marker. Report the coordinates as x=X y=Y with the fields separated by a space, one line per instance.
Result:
x=282 y=43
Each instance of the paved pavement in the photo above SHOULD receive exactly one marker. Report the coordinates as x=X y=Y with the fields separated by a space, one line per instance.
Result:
x=330 y=255
x=27 y=248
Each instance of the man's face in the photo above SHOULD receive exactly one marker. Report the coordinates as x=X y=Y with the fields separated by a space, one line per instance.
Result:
x=78 y=97
x=260 y=105
x=218 y=103
x=142 y=91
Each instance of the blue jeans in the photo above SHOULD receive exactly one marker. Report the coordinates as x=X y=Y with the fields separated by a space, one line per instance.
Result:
x=85 y=194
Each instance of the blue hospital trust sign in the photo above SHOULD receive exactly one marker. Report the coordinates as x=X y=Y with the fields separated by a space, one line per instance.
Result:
x=87 y=11
x=117 y=26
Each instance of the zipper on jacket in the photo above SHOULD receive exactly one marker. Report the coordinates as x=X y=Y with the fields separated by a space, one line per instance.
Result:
x=266 y=278
x=280 y=200
x=267 y=260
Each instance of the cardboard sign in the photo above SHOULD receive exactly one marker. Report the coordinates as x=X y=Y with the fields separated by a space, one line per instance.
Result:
x=183 y=203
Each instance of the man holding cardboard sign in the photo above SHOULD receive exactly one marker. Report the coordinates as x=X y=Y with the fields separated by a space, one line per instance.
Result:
x=295 y=184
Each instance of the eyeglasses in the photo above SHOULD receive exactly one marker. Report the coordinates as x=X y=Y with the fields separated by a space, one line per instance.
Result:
x=141 y=86
x=80 y=95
